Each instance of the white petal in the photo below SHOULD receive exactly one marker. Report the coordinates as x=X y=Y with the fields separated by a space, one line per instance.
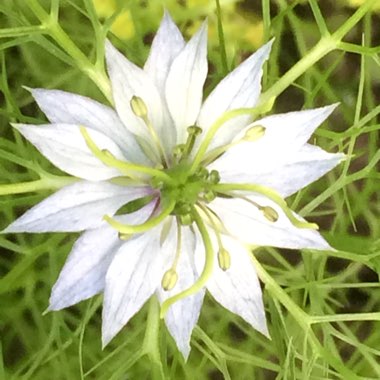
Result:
x=83 y=274
x=166 y=45
x=238 y=288
x=286 y=174
x=129 y=80
x=65 y=147
x=240 y=89
x=133 y=276
x=289 y=131
x=184 y=84
x=76 y=207
x=62 y=107
x=182 y=315
x=245 y=222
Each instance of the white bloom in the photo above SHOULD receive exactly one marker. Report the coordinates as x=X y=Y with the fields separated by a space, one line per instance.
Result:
x=205 y=193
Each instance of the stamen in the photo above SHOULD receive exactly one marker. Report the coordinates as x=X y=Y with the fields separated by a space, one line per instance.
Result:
x=270 y=194
x=140 y=109
x=150 y=223
x=125 y=167
x=207 y=269
x=170 y=277
x=209 y=196
x=270 y=213
x=224 y=259
x=124 y=236
x=193 y=131
x=255 y=133
x=138 y=106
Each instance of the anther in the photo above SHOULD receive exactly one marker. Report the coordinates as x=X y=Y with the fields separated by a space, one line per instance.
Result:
x=254 y=133
x=214 y=177
x=107 y=153
x=124 y=236
x=194 y=130
x=169 y=279
x=209 y=195
x=224 y=259
x=270 y=213
x=138 y=106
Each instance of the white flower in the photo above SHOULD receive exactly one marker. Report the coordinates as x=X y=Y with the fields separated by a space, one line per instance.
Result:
x=203 y=194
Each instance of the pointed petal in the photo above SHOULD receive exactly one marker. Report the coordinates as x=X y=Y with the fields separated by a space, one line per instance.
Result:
x=245 y=222
x=182 y=315
x=65 y=147
x=83 y=274
x=166 y=45
x=238 y=288
x=129 y=80
x=286 y=175
x=240 y=89
x=289 y=130
x=133 y=276
x=184 y=84
x=76 y=207
x=62 y=107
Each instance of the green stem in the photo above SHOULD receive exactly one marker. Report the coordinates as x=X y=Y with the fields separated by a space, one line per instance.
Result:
x=48 y=183
x=150 y=344
x=323 y=47
x=97 y=76
x=207 y=269
x=303 y=319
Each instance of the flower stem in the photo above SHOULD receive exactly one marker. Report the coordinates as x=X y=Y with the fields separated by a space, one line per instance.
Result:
x=150 y=344
x=48 y=183
x=207 y=269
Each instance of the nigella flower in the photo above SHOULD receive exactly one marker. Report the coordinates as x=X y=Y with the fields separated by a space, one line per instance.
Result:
x=201 y=183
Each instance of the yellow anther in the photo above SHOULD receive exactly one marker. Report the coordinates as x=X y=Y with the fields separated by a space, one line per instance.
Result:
x=169 y=279
x=254 y=133
x=224 y=259
x=124 y=236
x=138 y=106
x=270 y=213
x=107 y=153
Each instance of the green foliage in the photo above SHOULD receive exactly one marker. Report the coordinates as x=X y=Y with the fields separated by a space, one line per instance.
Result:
x=321 y=306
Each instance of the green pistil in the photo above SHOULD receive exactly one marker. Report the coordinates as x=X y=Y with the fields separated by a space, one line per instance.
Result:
x=149 y=224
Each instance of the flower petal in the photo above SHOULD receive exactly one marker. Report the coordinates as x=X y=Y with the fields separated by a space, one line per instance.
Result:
x=238 y=288
x=286 y=175
x=289 y=131
x=76 y=207
x=62 y=107
x=166 y=45
x=182 y=315
x=245 y=222
x=83 y=274
x=184 y=84
x=65 y=147
x=132 y=278
x=241 y=88
x=129 y=80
